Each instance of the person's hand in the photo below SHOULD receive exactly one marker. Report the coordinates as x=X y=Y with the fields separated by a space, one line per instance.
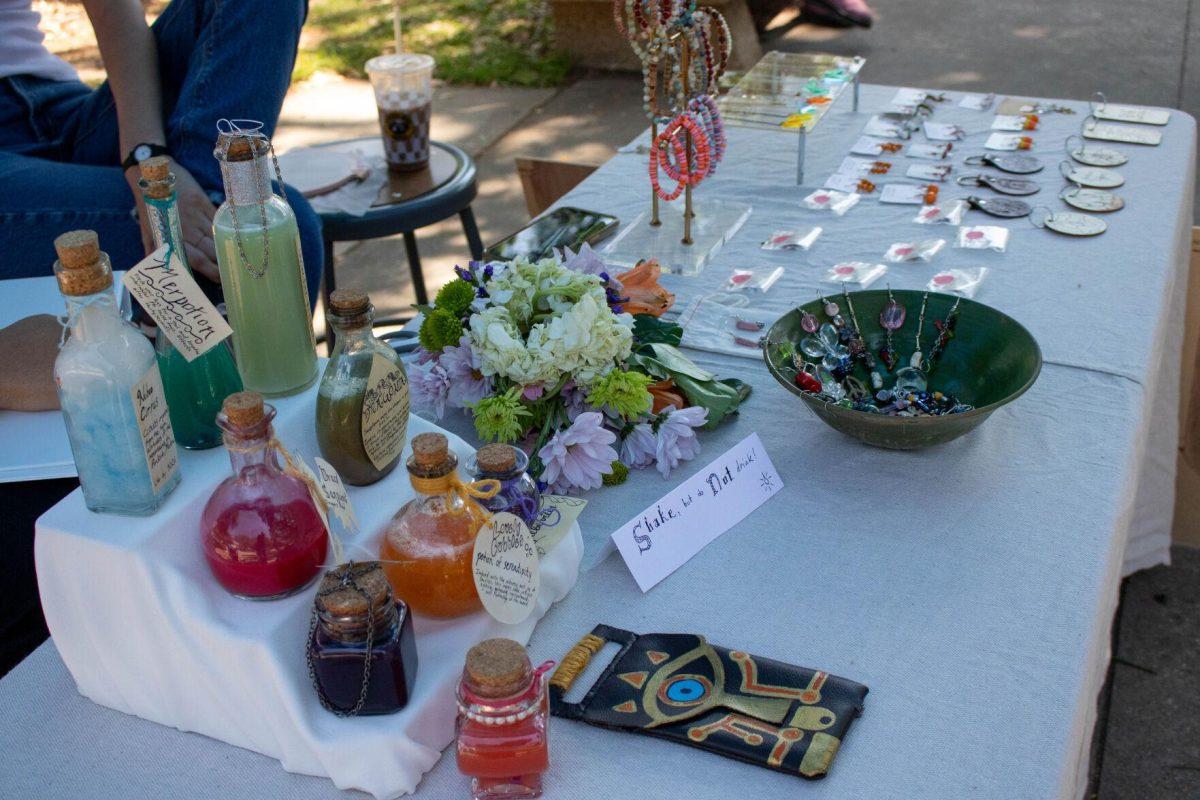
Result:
x=28 y=349
x=196 y=213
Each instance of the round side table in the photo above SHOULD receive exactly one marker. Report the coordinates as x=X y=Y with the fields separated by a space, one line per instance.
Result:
x=408 y=202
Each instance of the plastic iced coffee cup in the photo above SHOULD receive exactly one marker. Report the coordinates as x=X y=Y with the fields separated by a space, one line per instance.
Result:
x=404 y=94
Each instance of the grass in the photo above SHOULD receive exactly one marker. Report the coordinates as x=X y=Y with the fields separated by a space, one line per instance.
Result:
x=475 y=42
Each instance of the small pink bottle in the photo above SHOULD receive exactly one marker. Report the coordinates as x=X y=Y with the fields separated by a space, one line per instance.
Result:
x=262 y=534
x=503 y=714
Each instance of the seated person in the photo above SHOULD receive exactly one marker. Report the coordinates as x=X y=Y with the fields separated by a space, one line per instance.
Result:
x=69 y=154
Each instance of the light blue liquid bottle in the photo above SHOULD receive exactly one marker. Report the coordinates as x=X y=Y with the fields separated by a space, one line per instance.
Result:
x=110 y=390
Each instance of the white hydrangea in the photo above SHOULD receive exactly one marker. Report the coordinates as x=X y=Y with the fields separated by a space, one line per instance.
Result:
x=573 y=331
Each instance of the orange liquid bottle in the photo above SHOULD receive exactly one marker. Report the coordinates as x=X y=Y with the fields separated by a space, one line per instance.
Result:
x=427 y=547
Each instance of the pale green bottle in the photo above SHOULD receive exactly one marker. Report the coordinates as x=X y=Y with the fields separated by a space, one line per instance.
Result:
x=262 y=272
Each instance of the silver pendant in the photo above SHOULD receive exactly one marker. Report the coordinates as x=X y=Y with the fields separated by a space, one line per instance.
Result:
x=1095 y=155
x=1096 y=200
x=1111 y=132
x=1092 y=177
x=1013 y=163
x=1001 y=206
x=1013 y=186
x=1102 y=109
x=1068 y=223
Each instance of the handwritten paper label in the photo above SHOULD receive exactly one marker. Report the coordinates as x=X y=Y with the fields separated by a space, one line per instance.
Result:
x=171 y=297
x=1109 y=132
x=154 y=424
x=384 y=411
x=298 y=469
x=334 y=493
x=662 y=538
x=506 y=570
x=554 y=519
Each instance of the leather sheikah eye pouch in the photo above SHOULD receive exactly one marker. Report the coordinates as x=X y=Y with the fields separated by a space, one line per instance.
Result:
x=679 y=687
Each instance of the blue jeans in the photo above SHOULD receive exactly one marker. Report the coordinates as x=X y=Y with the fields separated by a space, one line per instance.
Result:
x=59 y=151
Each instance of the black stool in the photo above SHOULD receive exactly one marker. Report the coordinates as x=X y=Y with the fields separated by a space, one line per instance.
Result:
x=412 y=201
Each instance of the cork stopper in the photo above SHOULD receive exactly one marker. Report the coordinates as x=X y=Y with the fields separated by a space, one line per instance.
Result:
x=155 y=168
x=496 y=458
x=243 y=409
x=156 y=171
x=243 y=147
x=497 y=668
x=340 y=599
x=349 y=302
x=430 y=450
x=81 y=270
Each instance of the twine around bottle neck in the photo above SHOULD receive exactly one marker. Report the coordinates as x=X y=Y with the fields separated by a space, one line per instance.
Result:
x=450 y=483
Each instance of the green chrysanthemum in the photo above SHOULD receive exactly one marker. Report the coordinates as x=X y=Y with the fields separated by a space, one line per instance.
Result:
x=440 y=329
x=624 y=393
x=455 y=297
x=501 y=418
x=618 y=475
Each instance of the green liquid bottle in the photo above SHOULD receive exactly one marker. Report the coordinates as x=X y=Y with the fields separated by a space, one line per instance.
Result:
x=194 y=390
x=262 y=272
x=362 y=403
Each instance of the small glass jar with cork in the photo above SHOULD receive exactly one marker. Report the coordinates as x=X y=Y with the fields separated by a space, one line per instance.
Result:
x=518 y=490
x=362 y=655
x=503 y=720
x=362 y=402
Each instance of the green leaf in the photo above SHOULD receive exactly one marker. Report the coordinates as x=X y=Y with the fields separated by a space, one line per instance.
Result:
x=675 y=361
x=649 y=329
x=720 y=398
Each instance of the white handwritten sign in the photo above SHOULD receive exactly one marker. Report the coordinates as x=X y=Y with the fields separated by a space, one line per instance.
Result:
x=506 y=568
x=171 y=297
x=158 y=438
x=662 y=538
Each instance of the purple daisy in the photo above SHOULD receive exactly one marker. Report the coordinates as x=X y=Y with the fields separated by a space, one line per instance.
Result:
x=579 y=456
x=676 y=439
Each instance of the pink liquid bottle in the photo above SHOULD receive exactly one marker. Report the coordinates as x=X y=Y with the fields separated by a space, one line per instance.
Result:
x=262 y=534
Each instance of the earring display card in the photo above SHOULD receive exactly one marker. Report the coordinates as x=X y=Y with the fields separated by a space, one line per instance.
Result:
x=903 y=194
x=1112 y=132
x=944 y=132
x=831 y=200
x=885 y=127
x=929 y=152
x=948 y=214
x=977 y=102
x=1008 y=122
x=929 y=172
x=1008 y=141
x=680 y=688
x=867 y=146
x=842 y=182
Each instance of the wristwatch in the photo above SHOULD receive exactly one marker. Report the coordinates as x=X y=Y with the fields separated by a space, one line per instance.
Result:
x=141 y=152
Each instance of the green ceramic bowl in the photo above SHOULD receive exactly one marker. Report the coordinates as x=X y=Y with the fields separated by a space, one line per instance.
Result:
x=990 y=361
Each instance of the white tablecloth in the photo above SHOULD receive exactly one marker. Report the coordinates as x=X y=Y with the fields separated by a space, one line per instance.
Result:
x=970 y=586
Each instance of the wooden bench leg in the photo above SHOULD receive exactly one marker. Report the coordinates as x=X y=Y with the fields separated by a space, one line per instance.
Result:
x=474 y=244
x=414 y=266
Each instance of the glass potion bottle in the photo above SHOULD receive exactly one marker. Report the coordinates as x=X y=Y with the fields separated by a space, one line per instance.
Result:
x=518 y=490
x=261 y=532
x=262 y=271
x=362 y=403
x=502 y=724
x=362 y=653
x=110 y=390
x=427 y=547
x=195 y=390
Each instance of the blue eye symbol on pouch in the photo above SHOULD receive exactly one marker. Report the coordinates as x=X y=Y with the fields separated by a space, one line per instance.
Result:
x=685 y=690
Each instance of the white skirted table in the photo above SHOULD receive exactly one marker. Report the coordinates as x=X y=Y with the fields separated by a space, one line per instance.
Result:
x=970 y=586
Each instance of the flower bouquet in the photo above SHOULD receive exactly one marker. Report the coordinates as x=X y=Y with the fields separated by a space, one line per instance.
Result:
x=573 y=363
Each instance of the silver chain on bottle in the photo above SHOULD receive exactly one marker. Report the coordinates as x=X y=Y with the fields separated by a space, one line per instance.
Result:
x=251 y=135
x=348 y=579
